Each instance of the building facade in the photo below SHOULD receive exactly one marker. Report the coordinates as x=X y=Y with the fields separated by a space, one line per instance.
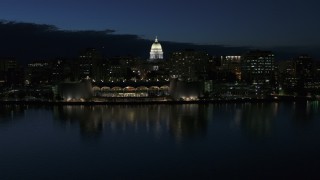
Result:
x=156 y=52
x=189 y=65
x=257 y=67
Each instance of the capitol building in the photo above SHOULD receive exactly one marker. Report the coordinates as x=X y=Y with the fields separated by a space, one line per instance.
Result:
x=156 y=52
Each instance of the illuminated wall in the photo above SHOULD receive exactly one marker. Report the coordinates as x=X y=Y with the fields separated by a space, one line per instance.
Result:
x=75 y=90
x=183 y=90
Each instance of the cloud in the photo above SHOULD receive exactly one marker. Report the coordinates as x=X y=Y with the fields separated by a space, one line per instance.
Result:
x=29 y=41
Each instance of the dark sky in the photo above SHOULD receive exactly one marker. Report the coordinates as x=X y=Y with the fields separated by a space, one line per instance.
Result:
x=259 y=23
x=29 y=41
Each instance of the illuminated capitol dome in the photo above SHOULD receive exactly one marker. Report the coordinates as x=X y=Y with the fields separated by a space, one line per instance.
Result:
x=156 y=50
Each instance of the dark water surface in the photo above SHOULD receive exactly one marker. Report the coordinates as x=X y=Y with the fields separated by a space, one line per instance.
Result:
x=218 y=141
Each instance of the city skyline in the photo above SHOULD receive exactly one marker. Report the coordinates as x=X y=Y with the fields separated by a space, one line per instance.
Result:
x=27 y=42
x=159 y=89
x=261 y=24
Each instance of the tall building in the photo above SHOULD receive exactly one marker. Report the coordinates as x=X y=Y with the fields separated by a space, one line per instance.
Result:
x=156 y=52
x=299 y=75
x=39 y=72
x=116 y=69
x=258 y=67
x=304 y=74
x=231 y=64
x=189 y=65
x=287 y=72
x=10 y=72
x=89 y=64
x=61 y=70
x=6 y=65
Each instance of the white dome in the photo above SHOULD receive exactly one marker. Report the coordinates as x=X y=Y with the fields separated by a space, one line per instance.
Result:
x=156 y=46
x=156 y=50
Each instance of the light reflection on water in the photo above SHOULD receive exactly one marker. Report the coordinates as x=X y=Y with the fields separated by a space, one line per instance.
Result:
x=179 y=121
x=258 y=141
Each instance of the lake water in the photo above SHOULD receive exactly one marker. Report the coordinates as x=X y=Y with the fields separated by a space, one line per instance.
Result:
x=216 y=141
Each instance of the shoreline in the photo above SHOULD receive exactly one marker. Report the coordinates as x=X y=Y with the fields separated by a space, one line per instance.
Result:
x=216 y=101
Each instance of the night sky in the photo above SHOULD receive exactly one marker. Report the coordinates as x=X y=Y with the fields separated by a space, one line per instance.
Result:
x=263 y=23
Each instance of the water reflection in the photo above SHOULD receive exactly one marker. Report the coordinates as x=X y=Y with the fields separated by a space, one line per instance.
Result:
x=188 y=121
x=261 y=119
x=183 y=121
x=258 y=119
x=303 y=112
x=179 y=120
x=11 y=112
x=214 y=140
